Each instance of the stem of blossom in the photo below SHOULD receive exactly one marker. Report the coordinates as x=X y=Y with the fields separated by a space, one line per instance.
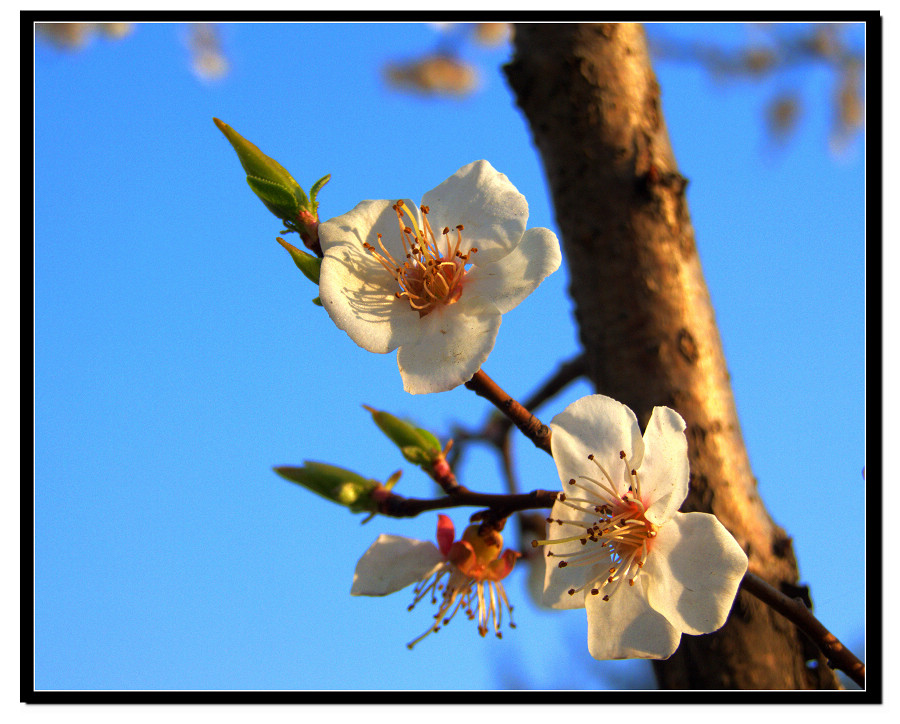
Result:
x=496 y=432
x=496 y=429
x=531 y=427
x=501 y=506
x=309 y=232
x=442 y=474
x=793 y=609
x=568 y=372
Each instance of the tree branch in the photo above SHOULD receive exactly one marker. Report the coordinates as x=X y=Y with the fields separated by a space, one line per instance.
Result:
x=500 y=506
x=793 y=609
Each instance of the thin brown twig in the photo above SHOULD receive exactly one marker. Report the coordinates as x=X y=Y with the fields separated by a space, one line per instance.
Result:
x=497 y=428
x=793 y=609
x=500 y=506
x=568 y=372
x=528 y=424
x=442 y=473
x=506 y=460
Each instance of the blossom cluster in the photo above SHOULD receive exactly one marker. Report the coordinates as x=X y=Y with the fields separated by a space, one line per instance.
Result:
x=432 y=280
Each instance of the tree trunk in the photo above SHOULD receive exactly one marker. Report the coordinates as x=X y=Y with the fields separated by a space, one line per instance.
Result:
x=645 y=318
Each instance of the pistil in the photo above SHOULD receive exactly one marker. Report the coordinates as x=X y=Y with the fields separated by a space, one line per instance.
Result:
x=428 y=277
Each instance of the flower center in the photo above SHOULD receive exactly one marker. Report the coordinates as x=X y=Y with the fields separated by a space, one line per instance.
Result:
x=614 y=530
x=433 y=271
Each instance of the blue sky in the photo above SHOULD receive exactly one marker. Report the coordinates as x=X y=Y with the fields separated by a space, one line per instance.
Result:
x=178 y=357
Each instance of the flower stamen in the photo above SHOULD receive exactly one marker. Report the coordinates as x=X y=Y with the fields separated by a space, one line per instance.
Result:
x=470 y=564
x=615 y=530
x=427 y=279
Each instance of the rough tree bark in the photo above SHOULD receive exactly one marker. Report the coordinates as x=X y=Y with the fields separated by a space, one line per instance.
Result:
x=645 y=318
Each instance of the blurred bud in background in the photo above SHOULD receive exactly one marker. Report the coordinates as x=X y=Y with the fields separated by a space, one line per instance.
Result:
x=75 y=36
x=208 y=59
x=492 y=33
x=782 y=54
x=849 y=106
x=443 y=70
x=782 y=115
x=434 y=75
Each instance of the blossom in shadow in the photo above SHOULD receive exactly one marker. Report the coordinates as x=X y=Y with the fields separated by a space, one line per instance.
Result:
x=463 y=575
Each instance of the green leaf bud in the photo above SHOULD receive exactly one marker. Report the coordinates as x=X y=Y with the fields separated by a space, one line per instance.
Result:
x=416 y=455
x=268 y=178
x=347 y=494
x=278 y=191
x=307 y=263
x=392 y=481
x=338 y=485
x=277 y=198
x=418 y=446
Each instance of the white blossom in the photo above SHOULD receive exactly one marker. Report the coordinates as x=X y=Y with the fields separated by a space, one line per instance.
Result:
x=617 y=545
x=433 y=280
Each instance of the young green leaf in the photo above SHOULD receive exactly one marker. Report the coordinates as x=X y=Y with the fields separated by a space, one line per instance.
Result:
x=317 y=186
x=254 y=161
x=307 y=263
x=336 y=484
x=277 y=198
x=418 y=446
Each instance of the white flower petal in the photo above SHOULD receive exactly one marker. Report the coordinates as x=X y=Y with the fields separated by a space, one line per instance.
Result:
x=509 y=280
x=363 y=223
x=693 y=572
x=356 y=291
x=665 y=470
x=486 y=203
x=454 y=342
x=559 y=581
x=394 y=562
x=597 y=425
x=625 y=627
